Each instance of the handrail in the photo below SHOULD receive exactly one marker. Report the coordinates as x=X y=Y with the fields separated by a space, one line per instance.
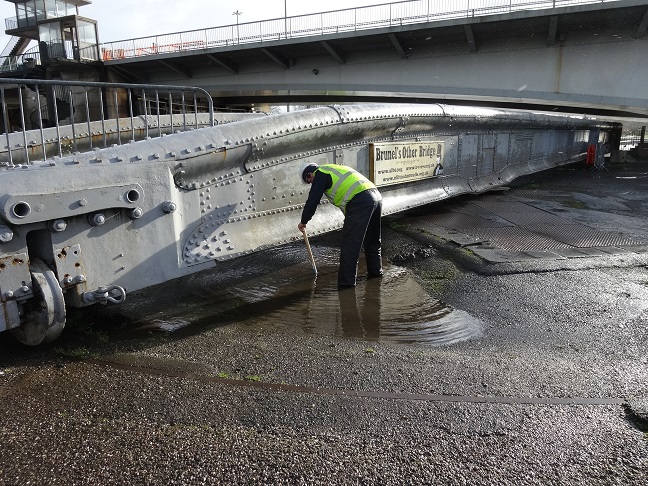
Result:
x=61 y=117
x=32 y=57
x=323 y=23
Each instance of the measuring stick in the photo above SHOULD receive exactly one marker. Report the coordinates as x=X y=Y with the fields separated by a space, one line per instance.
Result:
x=310 y=253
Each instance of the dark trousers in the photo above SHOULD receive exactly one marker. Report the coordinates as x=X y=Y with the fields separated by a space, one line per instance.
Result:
x=361 y=225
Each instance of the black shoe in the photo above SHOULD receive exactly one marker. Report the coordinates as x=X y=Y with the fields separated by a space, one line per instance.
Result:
x=375 y=275
x=342 y=286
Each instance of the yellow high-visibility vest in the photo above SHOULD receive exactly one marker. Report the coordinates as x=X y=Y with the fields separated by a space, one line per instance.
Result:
x=347 y=183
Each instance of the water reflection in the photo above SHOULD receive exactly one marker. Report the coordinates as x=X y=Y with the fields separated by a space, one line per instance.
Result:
x=395 y=308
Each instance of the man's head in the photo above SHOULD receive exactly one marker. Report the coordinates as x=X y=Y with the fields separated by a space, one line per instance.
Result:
x=307 y=174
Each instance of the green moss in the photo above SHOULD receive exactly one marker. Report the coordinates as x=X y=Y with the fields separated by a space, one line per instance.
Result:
x=436 y=278
x=575 y=204
x=78 y=352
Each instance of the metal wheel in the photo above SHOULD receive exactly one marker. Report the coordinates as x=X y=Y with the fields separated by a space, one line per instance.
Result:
x=45 y=313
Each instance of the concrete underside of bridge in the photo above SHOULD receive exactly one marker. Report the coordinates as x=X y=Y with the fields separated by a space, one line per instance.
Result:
x=585 y=59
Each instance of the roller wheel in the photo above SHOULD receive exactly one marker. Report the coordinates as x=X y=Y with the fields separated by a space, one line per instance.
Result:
x=44 y=318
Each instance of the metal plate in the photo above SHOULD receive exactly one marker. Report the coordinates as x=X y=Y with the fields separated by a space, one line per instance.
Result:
x=516 y=226
x=514 y=238
x=582 y=236
x=456 y=220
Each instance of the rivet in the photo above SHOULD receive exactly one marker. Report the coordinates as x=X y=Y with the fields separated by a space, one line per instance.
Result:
x=136 y=213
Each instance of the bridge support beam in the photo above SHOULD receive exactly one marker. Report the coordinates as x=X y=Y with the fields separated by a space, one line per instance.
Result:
x=283 y=63
x=230 y=67
x=397 y=45
x=553 y=28
x=643 y=25
x=470 y=37
x=334 y=54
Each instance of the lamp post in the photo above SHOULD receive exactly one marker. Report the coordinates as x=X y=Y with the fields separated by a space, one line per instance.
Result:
x=238 y=14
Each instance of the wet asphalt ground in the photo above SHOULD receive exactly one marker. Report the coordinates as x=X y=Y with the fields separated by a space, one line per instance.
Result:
x=470 y=362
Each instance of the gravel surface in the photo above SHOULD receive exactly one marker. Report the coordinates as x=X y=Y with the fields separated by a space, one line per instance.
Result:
x=553 y=390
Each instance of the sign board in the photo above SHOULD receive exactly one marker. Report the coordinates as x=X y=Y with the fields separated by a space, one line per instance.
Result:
x=396 y=162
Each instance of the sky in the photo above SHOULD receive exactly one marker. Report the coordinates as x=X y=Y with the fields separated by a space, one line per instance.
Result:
x=127 y=19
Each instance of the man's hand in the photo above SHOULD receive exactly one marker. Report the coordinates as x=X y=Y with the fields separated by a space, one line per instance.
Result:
x=301 y=227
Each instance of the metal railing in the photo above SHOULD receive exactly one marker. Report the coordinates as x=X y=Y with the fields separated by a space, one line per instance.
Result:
x=13 y=41
x=27 y=60
x=33 y=19
x=32 y=57
x=331 y=22
x=632 y=138
x=44 y=118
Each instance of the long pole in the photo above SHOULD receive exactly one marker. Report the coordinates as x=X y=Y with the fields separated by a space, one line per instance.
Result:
x=310 y=253
x=285 y=19
x=237 y=13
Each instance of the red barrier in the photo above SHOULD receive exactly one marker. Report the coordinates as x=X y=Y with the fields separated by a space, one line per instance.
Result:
x=591 y=154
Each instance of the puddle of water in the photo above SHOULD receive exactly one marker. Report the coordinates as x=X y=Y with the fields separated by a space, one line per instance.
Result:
x=395 y=308
x=171 y=325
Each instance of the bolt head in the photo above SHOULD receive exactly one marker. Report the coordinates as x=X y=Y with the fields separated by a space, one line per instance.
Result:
x=58 y=225
x=169 y=207
x=6 y=235
x=97 y=219
x=136 y=213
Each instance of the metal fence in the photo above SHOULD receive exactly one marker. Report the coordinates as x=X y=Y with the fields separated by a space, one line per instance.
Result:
x=44 y=118
x=348 y=20
x=32 y=57
x=631 y=138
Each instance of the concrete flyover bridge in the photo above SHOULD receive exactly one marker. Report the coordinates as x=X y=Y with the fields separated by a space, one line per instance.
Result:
x=569 y=55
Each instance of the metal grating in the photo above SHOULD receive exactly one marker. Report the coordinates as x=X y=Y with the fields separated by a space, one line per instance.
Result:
x=514 y=238
x=580 y=236
x=520 y=213
x=454 y=220
x=516 y=226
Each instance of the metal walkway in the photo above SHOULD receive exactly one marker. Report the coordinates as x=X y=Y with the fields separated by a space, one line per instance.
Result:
x=357 y=19
x=502 y=229
x=529 y=55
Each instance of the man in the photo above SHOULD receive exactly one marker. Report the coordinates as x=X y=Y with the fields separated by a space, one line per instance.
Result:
x=361 y=204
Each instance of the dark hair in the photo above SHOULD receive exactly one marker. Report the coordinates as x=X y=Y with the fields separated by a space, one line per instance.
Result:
x=309 y=169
